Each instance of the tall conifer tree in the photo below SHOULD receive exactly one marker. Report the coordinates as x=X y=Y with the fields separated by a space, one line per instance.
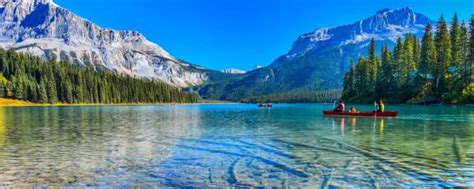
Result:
x=444 y=58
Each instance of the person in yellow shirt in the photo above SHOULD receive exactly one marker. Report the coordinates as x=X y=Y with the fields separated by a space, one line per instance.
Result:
x=380 y=106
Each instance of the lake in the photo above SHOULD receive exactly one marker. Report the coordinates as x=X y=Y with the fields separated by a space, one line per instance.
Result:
x=235 y=145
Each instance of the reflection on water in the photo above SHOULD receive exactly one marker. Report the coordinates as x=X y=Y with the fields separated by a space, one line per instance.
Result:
x=378 y=123
x=234 y=145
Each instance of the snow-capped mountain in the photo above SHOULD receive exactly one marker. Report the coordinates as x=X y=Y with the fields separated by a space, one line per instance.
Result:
x=318 y=60
x=386 y=25
x=44 y=29
x=233 y=71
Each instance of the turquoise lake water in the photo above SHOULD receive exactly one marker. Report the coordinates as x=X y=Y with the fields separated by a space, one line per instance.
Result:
x=235 y=145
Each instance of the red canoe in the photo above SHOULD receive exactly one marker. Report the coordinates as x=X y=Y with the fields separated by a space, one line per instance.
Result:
x=364 y=114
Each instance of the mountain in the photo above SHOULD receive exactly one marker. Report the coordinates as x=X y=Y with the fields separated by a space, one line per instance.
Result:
x=318 y=60
x=233 y=71
x=44 y=29
x=257 y=67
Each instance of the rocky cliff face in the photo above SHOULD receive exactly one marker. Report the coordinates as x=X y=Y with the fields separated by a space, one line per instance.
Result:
x=44 y=29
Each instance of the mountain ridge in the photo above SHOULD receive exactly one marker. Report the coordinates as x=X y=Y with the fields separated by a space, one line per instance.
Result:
x=43 y=28
x=385 y=28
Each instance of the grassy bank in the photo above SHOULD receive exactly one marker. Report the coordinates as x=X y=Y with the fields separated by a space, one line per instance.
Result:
x=13 y=102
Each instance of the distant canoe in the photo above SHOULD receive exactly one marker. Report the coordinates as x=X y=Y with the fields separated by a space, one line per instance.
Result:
x=362 y=114
x=265 y=106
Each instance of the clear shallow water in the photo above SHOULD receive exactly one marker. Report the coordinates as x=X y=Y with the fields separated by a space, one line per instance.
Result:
x=234 y=145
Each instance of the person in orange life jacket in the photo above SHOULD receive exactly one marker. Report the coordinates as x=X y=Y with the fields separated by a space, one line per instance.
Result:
x=353 y=110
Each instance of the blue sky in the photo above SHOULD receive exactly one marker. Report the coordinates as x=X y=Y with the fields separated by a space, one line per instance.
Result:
x=221 y=34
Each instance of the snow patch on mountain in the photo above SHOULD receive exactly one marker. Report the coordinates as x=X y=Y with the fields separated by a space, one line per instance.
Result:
x=257 y=67
x=319 y=35
x=233 y=71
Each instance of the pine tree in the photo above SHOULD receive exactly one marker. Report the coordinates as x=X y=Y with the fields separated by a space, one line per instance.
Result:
x=385 y=81
x=467 y=95
x=18 y=89
x=372 y=65
x=35 y=92
x=426 y=66
x=43 y=94
x=407 y=64
x=408 y=68
x=3 y=90
x=470 y=59
x=456 y=43
x=456 y=54
x=349 y=83
x=443 y=48
x=68 y=92
x=465 y=54
x=428 y=55
x=397 y=61
x=3 y=85
x=416 y=50
x=79 y=88
x=362 y=83
x=52 y=92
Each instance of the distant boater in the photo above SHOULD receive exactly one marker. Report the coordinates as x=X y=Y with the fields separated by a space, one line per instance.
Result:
x=269 y=105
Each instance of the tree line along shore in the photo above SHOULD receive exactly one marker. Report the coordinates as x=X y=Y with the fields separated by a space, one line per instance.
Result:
x=26 y=77
x=439 y=69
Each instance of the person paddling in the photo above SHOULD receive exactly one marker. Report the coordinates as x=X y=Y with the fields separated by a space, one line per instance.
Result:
x=340 y=107
x=379 y=106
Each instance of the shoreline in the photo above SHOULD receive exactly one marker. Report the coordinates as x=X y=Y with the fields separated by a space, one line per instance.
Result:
x=20 y=103
x=4 y=102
